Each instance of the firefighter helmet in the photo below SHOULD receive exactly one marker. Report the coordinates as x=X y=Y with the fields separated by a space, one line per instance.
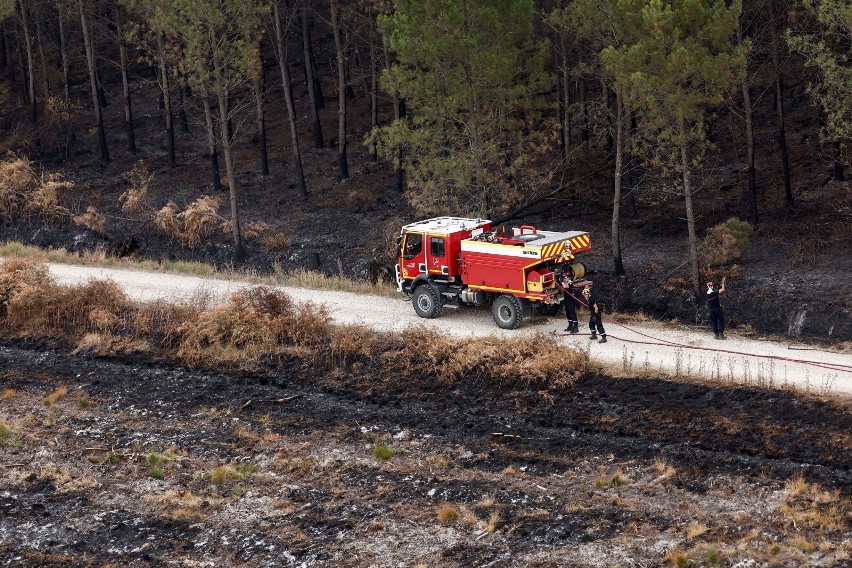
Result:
x=587 y=291
x=710 y=284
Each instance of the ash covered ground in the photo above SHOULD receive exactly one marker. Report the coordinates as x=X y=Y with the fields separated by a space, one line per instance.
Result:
x=125 y=462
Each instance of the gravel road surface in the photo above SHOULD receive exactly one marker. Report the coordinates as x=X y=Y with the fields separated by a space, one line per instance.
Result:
x=650 y=349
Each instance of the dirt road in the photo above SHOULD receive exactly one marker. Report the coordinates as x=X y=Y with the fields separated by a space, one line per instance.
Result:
x=643 y=349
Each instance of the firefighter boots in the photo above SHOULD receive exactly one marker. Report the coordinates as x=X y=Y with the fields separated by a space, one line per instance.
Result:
x=593 y=335
x=603 y=338
x=573 y=327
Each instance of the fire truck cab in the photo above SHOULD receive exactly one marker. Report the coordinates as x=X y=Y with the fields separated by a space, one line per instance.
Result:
x=446 y=262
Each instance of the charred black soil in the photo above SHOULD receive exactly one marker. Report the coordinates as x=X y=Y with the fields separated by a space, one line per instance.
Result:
x=608 y=471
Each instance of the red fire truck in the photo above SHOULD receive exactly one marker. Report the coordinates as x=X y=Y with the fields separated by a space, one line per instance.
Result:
x=446 y=262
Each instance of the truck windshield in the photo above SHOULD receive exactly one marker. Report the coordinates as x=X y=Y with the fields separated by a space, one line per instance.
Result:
x=413 y=245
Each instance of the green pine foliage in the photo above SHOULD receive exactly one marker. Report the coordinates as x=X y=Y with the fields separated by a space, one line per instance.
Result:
x=826 y=48
x=472 y=76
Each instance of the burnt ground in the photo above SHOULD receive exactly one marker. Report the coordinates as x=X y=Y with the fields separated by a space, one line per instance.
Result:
x=121 y=469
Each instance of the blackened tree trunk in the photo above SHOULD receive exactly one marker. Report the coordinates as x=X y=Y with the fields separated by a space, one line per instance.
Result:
x=258 y=87
x=211 y=133
x=629 y=188
x=93 y=80
x=281 y=52
x=125 y=83
x=28 y=44
x=309 y=79
x=565 y=98
x=374 y=88
x=223 y=95
x=838 y=161
x=751 y=195
x=42 y=61
x=587 y=130
x=183 y=93
x=779 y=107
x=343 y=164
x=167 y=99
x=63 y=49
x=616 y=200
x=4 y=48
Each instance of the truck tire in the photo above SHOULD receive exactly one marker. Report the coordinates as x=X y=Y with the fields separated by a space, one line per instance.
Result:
x=426 y=302
x=506 y=312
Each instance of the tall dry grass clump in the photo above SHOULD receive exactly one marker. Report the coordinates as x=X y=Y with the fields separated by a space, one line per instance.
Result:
x=532 y=360
x=193 y=223
x=254 y=323
x=23 y=192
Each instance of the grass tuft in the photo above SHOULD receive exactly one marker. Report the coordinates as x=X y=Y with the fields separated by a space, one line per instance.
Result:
x=382 y=452
x=448 y=515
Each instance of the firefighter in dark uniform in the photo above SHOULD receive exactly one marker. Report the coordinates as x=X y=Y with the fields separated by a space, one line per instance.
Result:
x=714 y=307
x=595 y=315
x=568 y=293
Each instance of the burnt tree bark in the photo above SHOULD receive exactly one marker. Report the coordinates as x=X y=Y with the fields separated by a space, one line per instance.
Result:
x=125 y=82
x=281 y=51
x=343 y=164
x=93 y=82
x=258 y=87
x=167 y=99
x=310 y=80
x=779 y=105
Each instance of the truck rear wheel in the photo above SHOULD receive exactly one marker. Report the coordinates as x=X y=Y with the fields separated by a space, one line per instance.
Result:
x=506 y=312
x=426 y=302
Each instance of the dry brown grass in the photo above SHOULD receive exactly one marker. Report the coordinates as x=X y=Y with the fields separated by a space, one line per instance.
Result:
x=57 y=395
x=192 y=224
x=695 y=529
x=92 y=219
x=810 y=504
x=8 y=393
x=23 y=192
x=448 y=515
x=254 y=323
x=262 y=325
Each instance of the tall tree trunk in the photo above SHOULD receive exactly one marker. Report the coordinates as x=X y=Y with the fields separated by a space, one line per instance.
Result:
x=211 y=132
x=167 y=99
x=309 y=79
x=343 y=164
x=565 y=82
x=690 y=215
x=779 y=107
x=585 y=102
x=4 y=48
x=63 y=50
x=22 y=65
x=28 y=41
x=629 y=188
x=288 y=99
x=374 y=88
x=183 y=96
x=222 y=92
x=42 y=61
x=398 y=112
x=125 y=83
x=93 y=81
x=7 y=53
x=838 y=161
x=751 y=196
x=616 y=199
x=258 y=86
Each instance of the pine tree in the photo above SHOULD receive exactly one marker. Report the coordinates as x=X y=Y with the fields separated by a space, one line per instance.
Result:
x=473 y=79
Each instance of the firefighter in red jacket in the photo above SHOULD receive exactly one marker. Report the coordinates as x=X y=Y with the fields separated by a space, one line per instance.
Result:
x=595 y=315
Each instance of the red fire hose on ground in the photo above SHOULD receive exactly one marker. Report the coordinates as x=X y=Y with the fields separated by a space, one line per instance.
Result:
x=666 y=342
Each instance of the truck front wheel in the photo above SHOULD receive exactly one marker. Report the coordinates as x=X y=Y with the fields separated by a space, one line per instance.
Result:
x=507 y=312
x=426 y=302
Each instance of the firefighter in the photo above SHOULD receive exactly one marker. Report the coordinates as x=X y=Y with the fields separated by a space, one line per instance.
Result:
x=714 y=307
x=595 y=315
x=570 y=304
